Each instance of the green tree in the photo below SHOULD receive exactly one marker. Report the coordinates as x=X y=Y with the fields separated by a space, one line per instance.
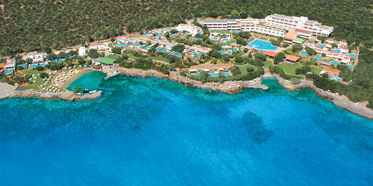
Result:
x=178 y=48
x=279 y=57
x=77 y=89
x=116 y=50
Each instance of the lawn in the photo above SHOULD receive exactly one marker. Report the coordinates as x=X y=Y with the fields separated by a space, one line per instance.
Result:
x=316 y=70
x=32 y=72
x=290 y=68
x=112 y=56
x=243 y=68
x=288 y=51
x=267 y=63
x=39 y=81
x=227 y=43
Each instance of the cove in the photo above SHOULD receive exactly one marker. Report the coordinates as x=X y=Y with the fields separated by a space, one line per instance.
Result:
x=157 y=132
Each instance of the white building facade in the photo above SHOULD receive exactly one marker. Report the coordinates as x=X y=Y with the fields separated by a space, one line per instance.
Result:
x=191 y=28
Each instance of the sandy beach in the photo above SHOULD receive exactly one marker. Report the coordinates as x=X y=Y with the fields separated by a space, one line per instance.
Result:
x=70 y=79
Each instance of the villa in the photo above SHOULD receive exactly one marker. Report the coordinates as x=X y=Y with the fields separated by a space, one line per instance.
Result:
x=97 y=46
x=190 y=28
x=270 y=54
x=331 y=72
x=82 y=51
x=291 y=59
x=200 y=49
x=10 y=66
x=36 y=57
x=210 y=68
x=273 y=25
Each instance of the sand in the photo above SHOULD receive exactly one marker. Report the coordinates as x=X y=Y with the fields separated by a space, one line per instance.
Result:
x=71 y=78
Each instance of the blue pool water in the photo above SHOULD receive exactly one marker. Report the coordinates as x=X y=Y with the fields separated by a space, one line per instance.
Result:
x=157 y=132
x=334 y=63
x=122 y=45
x=134 y=44
x=163 y=50
x=159 y=35
x=322 y=46
x=318 y=57
x=175 y=35
x=196 y=55
x=352 y=55
x=148 y=35
x=147 y=47
x=178 y=54
x=337 y=50
x=235 y=49
x=186 y=34
x=23 y=64
x=43 y=64
x=69 y=56
x=57 y=60
x=33 y=66
x=225 y=39
x=265 y=45
x=336 y=79
x=141 y=46
x=235 y=32
x=197 y=38
x=173 y=53
x=215 y=38
x=303 y=52
x=9 y=71
x=350 y=66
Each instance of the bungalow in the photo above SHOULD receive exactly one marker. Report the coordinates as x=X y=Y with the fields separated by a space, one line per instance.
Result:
x=2 y=66
x=97 y=46
x=290 y=36
x=270 y=54
x=291 y=59
x=36 y=57
x=210 y=68
x=331 y=72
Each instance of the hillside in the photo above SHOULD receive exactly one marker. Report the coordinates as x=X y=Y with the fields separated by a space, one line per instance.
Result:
x=27 y=25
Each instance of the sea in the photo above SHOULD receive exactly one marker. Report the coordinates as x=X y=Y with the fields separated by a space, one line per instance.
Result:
x=158 y=132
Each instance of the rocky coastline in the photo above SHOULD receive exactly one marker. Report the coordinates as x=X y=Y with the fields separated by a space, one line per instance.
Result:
x=229 y=87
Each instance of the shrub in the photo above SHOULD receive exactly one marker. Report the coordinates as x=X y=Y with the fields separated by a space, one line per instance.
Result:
x=39 y=68
x=44 y=75
x=295 y=80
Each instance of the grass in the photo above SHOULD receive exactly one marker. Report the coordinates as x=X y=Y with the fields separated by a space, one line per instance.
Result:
x=112 y=56
x=290 y=68
x=227 y=43
x=288 y=51
x=39 y=81
x=267 y=63
x=263 y=38
x=316 y=70
x=32 y=72
x=243 y=68
x=251 y=39
x=220 y=31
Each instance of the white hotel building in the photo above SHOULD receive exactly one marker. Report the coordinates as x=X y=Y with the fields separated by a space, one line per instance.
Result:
x=274 y=25
x=192 y=29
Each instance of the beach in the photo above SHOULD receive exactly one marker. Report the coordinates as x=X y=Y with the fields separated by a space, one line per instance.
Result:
x=71 y=78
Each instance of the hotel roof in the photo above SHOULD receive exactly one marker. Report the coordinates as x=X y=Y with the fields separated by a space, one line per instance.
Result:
x=291 y=35
x=270 y=53
x=303 y=31
x=106 y=60
x=331 y=70
x=2 y=65
x=292 y=58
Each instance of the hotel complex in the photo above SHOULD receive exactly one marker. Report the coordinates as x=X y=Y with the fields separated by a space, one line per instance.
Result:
x=274 y=25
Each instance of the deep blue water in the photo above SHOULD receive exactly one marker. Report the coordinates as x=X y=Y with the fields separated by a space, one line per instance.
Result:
x=156 y=132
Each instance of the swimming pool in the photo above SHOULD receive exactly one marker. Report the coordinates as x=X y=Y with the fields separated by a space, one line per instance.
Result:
x=235 y=49
x=122 y=45
x=175 y=35
x=141 y=46
x=56 y=60
x=225 y=52
x=225 y=39
x=337 y=50
x=134 y=44
x=318 y=57
x=197 y=38
x=147 y=47
x=350 y=66
x=235 y=32
x=334 y=63
x=196 y=55
x=215 y=38
x=352 y=55
x=173 y=53
x=23 y=64
x=163 y=50
x=9 y=71
x=322 y=46
x=42 y=64
x=336 y=79
x=69 y=56
x=159 y=35
x=179 y=54
x=263 y=45
x=303 y=52
x=148 y=35
x=186 y=34
x=215 y=74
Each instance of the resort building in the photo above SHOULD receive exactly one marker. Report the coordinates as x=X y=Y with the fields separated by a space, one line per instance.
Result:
x=270 y=54
x=290 y=36
x=273 y=25
x=82 y=51
x=36 y=57
x=331 y=72
x=10 y=66
x=2 y=66
x=197 y=48
x=291 y=59
x=97 y=46
x=190 y=28
x=210 y=68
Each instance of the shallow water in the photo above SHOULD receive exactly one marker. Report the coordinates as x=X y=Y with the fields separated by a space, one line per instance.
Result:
x=157 y=132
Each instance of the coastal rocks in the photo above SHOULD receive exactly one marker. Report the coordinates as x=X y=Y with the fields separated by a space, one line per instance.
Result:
x=6 y=90
x=340 y=101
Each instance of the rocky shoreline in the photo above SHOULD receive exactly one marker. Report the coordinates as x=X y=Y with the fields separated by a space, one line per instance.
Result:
x=229 y=87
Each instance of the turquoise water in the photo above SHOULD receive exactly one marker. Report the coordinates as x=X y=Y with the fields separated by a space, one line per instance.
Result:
x=157 y=132
x=90 y=80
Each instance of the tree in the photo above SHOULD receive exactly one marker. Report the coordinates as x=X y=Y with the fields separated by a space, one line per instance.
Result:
x=226 y=58
x=234 y=12
x=235 y=70
x=72 y=53
x=245 y=50
x=178 y=48
x=285 y=45
x=311 y=51
x=334 y=45
x=322 y=38
x=239 y=59
x=204 y=75
x=28 y=60
x=92 y=53
x=296 y=48
x=50 y=56
x=260 y=56
x=216 y=47
x=7 y=51
x=279 y=57
x=244 y=15
x=173 y=31
x=257 y=14
x=116 y=50
x=250 y=69
x=77 y=89
x=221 y=77
x=44 y=75
x=62 y=55
x=39 y=68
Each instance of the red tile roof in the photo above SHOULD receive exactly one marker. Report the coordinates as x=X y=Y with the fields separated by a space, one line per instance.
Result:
x=270 y=53
x=331 y=70
x=292 y=58
x=2 y=65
